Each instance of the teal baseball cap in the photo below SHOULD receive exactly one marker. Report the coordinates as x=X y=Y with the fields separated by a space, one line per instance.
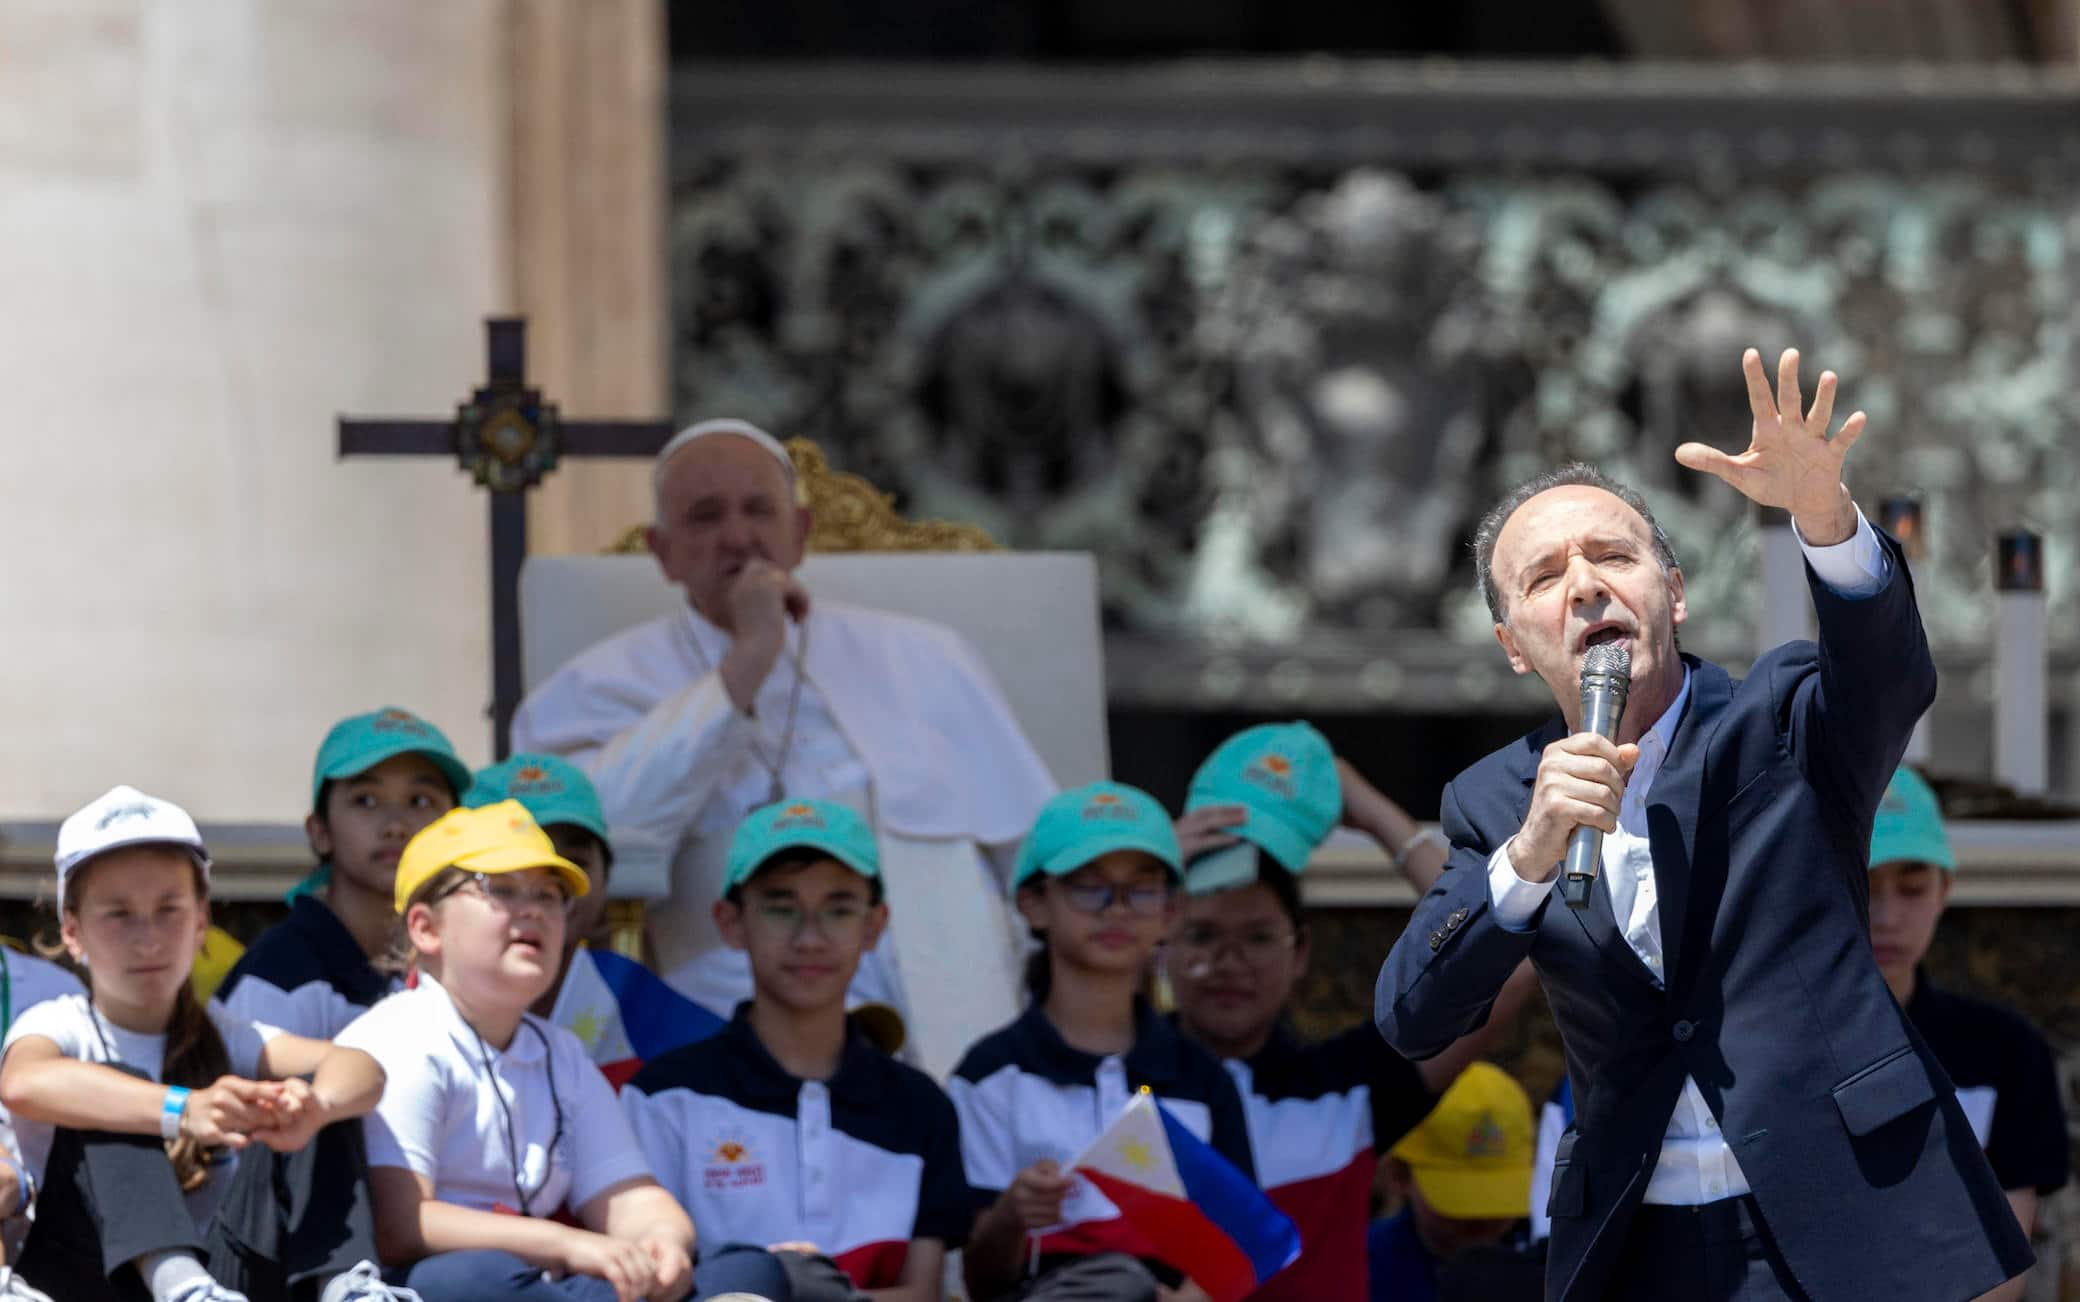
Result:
x=1078 y=826
x=356 y=745
x=1909 y=826
x=815 y=825
x=552 y=788
x=1284 y=776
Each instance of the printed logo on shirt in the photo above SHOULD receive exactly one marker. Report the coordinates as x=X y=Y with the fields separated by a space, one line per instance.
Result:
x=401 y=721
x=798 y=816
x=732 y=1164
x=1273 y=772
x=1486 y=1138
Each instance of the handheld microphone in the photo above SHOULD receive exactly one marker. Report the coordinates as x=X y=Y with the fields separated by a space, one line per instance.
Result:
x=1606 y=678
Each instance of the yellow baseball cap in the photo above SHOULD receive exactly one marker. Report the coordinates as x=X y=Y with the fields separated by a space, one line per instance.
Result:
x=1471 y=1157
x=500 y=838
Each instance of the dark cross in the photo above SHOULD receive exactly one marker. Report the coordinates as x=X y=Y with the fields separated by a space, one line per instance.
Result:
x=507 y=438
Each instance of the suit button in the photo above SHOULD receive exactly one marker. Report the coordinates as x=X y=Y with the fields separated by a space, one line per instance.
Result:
x=1437 y=939
x=1458 y=916
x=1683 y=1031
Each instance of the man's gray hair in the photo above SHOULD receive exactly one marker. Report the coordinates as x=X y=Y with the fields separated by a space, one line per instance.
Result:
x=1575 y=473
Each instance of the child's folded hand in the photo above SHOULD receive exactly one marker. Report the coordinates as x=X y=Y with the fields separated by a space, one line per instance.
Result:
x=623 y=1264
x=674 y=1268
x=296 y=1115
x=226 y=1113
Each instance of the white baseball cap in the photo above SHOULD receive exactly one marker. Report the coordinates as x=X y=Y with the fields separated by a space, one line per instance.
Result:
x=124 y=816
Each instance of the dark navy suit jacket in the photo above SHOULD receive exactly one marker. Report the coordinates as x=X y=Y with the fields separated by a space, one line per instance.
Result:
x=1864 y=1166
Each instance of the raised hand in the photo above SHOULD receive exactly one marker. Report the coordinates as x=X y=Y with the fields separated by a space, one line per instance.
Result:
x=1206 y=828
x=1790 y=461
x=762 y=600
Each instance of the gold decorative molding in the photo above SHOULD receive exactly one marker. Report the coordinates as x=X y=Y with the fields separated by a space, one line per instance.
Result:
x=849 y=514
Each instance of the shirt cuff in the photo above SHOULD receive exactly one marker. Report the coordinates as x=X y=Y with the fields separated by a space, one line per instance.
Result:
x=1512 y=900
x=1857 y=566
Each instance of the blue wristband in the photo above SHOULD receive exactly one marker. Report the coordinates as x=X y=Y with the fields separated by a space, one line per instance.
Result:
x=170 y=1109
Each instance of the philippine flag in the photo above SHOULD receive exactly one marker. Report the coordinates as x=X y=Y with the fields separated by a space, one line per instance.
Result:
x=1201 y=1214
x=625 y=1013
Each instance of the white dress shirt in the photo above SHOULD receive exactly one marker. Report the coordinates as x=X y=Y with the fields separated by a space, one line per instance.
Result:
x=1696 y=1164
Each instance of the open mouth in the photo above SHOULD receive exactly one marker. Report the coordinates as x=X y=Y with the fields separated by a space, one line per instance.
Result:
x=1605 y=632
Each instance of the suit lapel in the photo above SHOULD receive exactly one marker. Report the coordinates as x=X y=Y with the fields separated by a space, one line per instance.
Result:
x=1672 y=804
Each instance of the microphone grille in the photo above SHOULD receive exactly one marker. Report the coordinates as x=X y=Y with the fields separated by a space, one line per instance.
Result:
x=1608 y=660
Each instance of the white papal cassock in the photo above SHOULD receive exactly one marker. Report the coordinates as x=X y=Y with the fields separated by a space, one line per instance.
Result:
x=897 y=718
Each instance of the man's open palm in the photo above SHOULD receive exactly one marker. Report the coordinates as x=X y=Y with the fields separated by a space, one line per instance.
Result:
x=1790 y=461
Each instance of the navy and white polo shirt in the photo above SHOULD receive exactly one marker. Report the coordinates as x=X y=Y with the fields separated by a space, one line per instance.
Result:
x=858 y=1165
x=1024 y=1094
x=306 y=975
x=2006 y=1082
x=1319 y=1116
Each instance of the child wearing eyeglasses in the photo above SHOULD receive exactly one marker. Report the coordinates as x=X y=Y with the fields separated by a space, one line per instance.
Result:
x=174 y=1150
x=790 y=1127
x=1319 y=1113
x=495 y=1121
x=1097 y=881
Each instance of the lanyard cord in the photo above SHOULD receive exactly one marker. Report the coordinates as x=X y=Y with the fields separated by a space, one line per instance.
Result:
x=526 y=1199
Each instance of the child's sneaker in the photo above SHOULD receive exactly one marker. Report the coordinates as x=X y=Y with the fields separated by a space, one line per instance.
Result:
x=204 y=1289
x=363 y=1284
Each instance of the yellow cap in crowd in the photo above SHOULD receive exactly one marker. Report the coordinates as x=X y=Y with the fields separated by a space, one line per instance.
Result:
x=500 y=838
x=1471 y=1156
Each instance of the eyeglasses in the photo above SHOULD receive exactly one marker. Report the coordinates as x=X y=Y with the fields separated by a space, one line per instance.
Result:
x=1096 y=897
x=1256 y=946
x=840 y=921
x=511 y=894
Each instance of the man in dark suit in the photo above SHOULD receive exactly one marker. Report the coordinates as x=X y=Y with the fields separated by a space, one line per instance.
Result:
x=1755 y=1118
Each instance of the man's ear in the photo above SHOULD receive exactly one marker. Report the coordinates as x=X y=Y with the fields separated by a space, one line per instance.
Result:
x=1678 y=608
x=729 y=920
x=1300 y=951
x=1509 y=648
x=654 y=542
x=877 y=922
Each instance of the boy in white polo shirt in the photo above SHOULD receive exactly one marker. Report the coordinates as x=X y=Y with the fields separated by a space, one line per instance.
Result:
x=493 y=1121
x=789 y=1127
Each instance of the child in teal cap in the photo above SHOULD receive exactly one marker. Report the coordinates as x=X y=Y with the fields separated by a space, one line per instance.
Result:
x=1097 y=881
x=379 y=778
x=793 y=1074
x=2004 y=1071
x=1256 y=812
x=566 y=805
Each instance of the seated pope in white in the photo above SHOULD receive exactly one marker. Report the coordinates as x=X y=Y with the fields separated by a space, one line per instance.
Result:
x=691 y=721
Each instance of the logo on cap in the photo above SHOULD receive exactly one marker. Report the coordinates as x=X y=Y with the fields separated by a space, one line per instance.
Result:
x=1486 y=1138
x=533 y=777
x=123 y=814
x=1272 y=771
x=799 y=816
x=1106 y=806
